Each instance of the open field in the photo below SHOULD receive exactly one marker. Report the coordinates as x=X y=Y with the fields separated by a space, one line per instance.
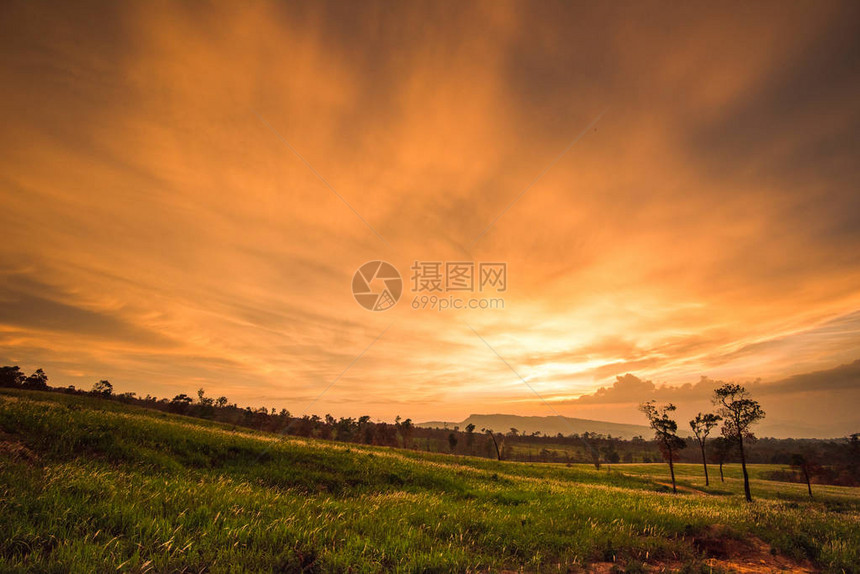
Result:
x=89 y=485
x=691 y=476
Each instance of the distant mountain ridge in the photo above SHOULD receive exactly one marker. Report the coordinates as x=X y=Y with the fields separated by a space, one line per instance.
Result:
x=551 y=425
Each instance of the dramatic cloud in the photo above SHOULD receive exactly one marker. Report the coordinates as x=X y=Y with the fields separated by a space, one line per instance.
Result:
x=828 y=400
x=160 y=229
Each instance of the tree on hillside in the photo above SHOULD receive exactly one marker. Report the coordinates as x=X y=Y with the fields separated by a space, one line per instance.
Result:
x=470 y=435
x=666 y=433
x=205 y=405
x=203 y=400
x=180 y=403
x=11 y=377
x=365 y=429
x=37 y=381
x=702 y=425
x=495 y=443
x=739 y=413
x=406 y=429
x=807 y=466
x=104 y=388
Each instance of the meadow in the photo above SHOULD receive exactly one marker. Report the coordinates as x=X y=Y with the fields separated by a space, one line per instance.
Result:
x=88 y=485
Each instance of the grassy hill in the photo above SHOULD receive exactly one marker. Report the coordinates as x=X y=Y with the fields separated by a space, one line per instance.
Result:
x=95 y=486
x=549 y=426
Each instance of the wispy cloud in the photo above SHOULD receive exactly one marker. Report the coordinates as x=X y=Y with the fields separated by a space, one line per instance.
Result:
x=157 y=234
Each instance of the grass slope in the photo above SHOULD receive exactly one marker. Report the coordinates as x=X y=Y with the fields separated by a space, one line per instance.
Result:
x=89 y=485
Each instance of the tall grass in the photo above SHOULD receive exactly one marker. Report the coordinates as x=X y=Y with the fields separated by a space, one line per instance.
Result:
x=130 y=490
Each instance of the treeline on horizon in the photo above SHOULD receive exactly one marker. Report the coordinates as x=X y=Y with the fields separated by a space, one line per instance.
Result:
x=811 y=461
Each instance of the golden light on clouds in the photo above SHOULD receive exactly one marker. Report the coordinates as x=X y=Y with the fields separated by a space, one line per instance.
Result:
x=159 y=231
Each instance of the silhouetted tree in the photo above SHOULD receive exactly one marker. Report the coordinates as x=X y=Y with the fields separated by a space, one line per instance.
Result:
x=702 y=425
x=806 y=466
x=495 y=443
x=344 y=428
x=739 y=412
x=180 y=403
x=203 y=400
x=104 y=388
x=470 y=435
x=11 y=377
x=666 y=433
x=37 y=381
x=365 y=429
x=406 y=428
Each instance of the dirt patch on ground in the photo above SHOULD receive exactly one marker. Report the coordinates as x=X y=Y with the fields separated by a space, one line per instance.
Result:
x=747 y=555
x=747 y=565
x=722 y=550
x=11 y=449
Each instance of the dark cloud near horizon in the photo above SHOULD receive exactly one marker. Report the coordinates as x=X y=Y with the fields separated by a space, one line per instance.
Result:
x=829 y=398
x=629 y=388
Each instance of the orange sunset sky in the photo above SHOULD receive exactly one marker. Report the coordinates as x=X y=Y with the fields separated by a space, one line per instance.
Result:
x=161 y=229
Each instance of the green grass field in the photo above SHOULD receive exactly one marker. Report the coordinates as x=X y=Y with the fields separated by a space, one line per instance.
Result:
x=94 y=486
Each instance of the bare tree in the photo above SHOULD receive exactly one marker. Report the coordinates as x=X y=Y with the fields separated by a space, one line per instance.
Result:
x=666 y=433
x=702 y=425
x=739 y=413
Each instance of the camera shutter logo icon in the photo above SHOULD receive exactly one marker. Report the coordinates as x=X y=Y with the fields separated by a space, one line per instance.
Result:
x=377 y=286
